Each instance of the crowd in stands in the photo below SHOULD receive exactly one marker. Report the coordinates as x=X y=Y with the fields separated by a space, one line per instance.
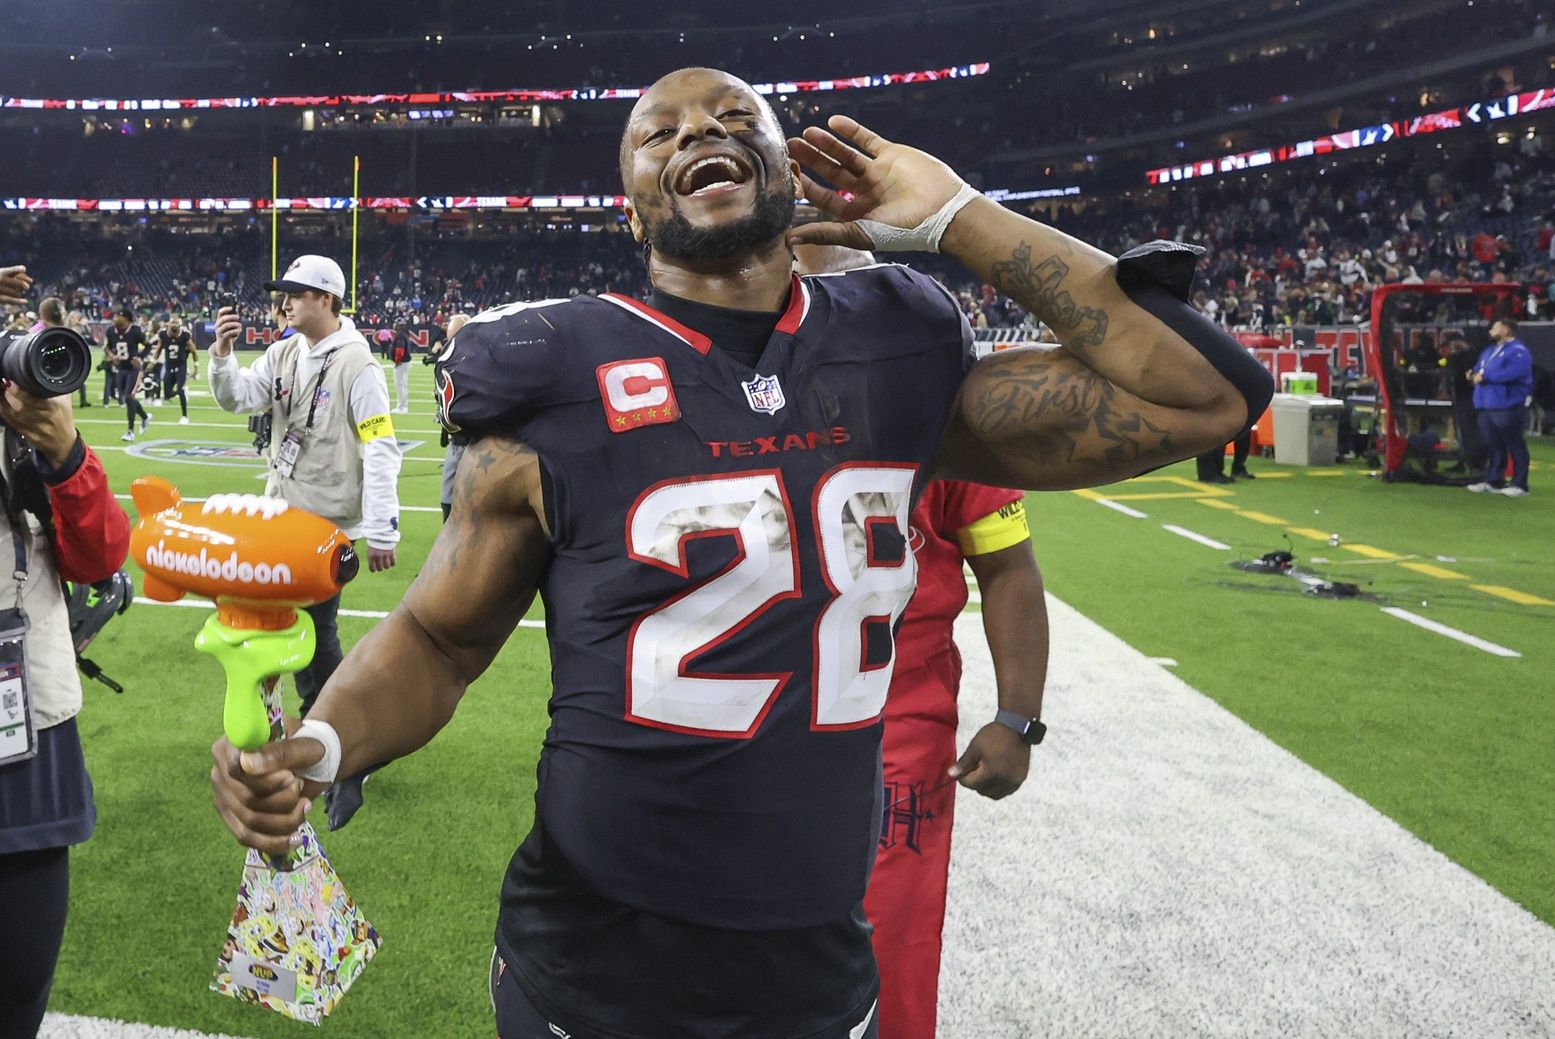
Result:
x=1309 y=248
x=1304 y=246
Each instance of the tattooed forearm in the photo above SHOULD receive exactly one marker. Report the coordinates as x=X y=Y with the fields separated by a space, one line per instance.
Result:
x=1039 y=289
x=1061 y=414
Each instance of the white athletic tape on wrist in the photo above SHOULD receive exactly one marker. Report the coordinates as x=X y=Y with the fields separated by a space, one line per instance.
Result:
x=327 y=767
x=925 y=237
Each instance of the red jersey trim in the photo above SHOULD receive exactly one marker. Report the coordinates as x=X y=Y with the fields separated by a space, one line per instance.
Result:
x=690 y=336
x=793 y=315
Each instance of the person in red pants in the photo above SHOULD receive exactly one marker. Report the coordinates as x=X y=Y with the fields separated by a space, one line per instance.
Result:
x=984 y=527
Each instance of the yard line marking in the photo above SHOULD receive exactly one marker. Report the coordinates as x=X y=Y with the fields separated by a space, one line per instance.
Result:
x=1163 y=661
x=1274 y=476
x=1435 y=571
x=232 y=426
x=1308 y=532
x=1452 y=633
x=1328 y=472
x=1511 y=595
x=1263 y=517
x=1183 y=532
x=1371 y=552
x=1115 y=507
x=404 y=457
x=206 y=604
x=403 y=508
x=1216 y=503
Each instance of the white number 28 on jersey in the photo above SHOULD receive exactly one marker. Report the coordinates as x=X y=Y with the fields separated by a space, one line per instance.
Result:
x=754 y=509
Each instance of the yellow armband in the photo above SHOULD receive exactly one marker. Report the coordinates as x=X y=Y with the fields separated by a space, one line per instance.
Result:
x=370 y=429
x=995 y=531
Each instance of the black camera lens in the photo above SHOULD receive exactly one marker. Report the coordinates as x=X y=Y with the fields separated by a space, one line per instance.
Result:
x=51 y=362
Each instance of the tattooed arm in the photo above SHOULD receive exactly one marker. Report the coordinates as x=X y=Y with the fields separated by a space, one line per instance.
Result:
x=400 y=684
x=1123 y=394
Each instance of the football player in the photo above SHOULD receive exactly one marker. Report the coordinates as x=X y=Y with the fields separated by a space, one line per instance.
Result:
x=711 y=490
x=178 y=353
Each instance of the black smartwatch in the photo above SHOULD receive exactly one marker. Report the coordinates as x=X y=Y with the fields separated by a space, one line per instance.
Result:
x=1030 y=730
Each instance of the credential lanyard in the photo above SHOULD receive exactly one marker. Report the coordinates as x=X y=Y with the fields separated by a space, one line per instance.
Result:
x=313 y=402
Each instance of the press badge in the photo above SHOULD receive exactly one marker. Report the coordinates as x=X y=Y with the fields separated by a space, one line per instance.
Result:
x=18 y=738
x=286 y=456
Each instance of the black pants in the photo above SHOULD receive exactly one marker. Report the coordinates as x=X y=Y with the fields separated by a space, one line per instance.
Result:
x=1502 y=430
x=326 y=652
x=110 y=385
x=173 y=381
x=35 y=889
x=125 y=383
x=1210 y=462
x=517 y=1017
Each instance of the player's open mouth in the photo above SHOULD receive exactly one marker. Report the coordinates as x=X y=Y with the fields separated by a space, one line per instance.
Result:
x=712 y=175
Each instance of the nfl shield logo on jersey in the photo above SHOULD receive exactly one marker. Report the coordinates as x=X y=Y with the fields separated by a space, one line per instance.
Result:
x=764 y=394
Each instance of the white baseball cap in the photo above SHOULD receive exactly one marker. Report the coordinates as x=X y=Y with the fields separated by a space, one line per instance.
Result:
x=316 y=273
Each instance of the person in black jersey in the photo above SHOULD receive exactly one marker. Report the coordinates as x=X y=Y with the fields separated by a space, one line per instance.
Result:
x=124 y=344
x=711 y=490
x=178 y=352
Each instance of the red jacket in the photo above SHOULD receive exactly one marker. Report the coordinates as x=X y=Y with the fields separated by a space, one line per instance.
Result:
x=91 y=531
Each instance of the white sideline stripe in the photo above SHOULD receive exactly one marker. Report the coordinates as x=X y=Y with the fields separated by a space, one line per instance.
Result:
x=1183 y=532
x=206 y=604
x=1119 y=507
x=69 y=1026
x=1452 y=633
x=403 y=508
x=1163 y=661
x=1179 y=874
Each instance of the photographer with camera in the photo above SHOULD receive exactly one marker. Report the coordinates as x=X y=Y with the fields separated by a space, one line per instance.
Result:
x=125 y=345
x=324 y=424
x=58 y=520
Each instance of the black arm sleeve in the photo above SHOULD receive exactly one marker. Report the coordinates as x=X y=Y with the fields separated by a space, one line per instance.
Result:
x=1158 y=276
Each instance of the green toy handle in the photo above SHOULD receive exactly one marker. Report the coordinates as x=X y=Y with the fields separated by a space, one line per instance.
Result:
x=251 y=658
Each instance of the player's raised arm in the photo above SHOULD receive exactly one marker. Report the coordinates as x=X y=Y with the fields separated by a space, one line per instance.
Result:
x=1140 y=380
x=400 y=684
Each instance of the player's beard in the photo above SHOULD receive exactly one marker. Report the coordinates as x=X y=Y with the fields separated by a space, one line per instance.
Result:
x=678 y=237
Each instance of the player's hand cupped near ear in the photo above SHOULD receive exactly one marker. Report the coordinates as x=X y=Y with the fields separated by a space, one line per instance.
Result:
x=995 y=763
x=872 y=179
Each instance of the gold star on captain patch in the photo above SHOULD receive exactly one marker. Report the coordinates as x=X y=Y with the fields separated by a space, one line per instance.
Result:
x=621 y=421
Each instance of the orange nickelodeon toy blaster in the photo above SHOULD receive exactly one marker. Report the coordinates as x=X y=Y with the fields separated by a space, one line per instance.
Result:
x=297 y=940
x=259 y=559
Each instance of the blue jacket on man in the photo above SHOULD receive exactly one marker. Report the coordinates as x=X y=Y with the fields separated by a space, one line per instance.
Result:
x=1508 y=376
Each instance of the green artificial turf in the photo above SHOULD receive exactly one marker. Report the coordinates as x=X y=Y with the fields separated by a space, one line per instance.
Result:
x=153 y=889
x=1451 y=742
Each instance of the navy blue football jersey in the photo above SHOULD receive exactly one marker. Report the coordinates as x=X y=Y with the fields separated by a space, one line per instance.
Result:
x=728 y=560
x=123 y=348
